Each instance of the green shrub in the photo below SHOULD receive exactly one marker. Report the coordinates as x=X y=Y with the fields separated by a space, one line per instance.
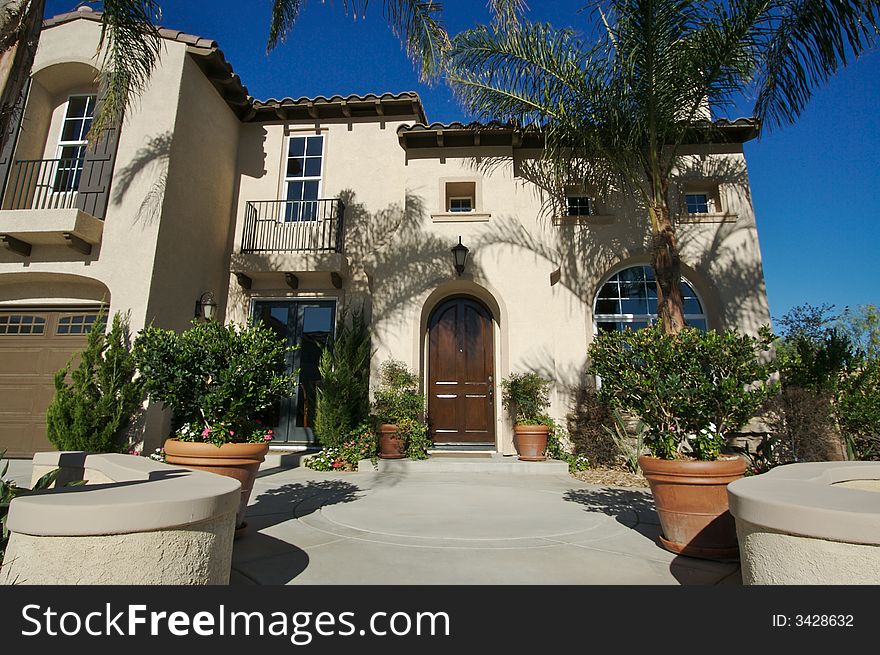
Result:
x=690 y=389
x=858 y=409
x=397 y=400
x=219 y=380
x=93 y=410
x=359 y=443
x=629 y=443
x=342 y=398
x=526 y=396
x=588 y=423
x=558 y=447
x=831 y=384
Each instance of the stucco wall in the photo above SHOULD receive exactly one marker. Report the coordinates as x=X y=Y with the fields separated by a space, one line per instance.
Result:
x=538 y=276
x=123 y=262
x=199 y=187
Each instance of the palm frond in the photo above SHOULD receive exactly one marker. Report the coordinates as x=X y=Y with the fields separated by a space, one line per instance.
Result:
x=527 y=74
x=805 y=42
x=420 y=26
x=284 y=15
x=130 y=46
x=507 y=12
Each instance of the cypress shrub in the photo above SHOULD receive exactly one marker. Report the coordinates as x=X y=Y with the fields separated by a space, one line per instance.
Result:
x=342 y=398
x=93 y=410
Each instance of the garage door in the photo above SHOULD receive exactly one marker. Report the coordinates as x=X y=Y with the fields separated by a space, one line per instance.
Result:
x=33 y=346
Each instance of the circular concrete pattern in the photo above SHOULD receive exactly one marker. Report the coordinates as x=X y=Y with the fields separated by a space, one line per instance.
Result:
x=466 y=527
x=436 y=513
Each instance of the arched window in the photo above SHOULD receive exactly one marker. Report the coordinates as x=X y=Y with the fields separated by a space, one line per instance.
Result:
x=628 y=299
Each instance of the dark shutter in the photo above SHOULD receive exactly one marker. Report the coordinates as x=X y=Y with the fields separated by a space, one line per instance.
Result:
x=94 y=184
x=11 y=137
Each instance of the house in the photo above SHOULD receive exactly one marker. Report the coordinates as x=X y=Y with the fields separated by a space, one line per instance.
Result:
x=292 y=210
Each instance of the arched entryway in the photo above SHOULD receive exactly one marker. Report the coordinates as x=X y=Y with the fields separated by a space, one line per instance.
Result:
x=461 y=369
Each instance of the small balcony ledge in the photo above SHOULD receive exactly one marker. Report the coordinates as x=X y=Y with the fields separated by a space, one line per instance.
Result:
x=20 y=229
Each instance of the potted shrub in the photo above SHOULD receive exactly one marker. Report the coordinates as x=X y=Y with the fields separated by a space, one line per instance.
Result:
x=526 y=398
x=218 y=380
x=399 y=407
x=691 y=390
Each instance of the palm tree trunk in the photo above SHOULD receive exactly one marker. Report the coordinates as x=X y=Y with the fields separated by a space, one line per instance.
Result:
x=666 y=263
x=20 y=24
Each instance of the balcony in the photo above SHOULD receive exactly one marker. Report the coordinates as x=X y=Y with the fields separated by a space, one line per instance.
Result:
x=294 y=226
x=49 y=202
x=294 y=239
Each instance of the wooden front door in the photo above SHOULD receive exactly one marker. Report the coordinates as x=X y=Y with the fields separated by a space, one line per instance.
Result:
x=461 y=408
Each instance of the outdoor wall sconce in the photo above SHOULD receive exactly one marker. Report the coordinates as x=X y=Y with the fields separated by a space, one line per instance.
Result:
x=459 y=255
x=206 y=306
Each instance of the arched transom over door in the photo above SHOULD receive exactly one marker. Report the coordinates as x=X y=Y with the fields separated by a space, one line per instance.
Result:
x=461 y=408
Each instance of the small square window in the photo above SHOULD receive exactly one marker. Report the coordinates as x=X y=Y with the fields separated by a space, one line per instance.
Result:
x=461 y=204
x=460 y=197
x=580 y=206
x=698 y=203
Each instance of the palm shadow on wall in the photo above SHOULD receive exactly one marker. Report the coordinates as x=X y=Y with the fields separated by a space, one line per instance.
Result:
x=584 y=251
x=150 y=159
x=397 y=257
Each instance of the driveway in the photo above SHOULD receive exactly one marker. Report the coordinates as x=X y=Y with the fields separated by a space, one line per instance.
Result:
x=307 y=527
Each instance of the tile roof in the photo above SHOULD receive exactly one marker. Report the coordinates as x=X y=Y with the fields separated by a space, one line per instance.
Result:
x=88 y=13
x=395 y=106
x=496 y=133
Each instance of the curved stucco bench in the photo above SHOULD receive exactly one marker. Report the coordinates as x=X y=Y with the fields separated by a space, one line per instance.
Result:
x=811 y=523
x=136 y=521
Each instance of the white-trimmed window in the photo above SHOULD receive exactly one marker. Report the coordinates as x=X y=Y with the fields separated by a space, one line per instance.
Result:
x=461 y=197
x=579 y=205
x=302 y=176
x=699 y=203
x=72 y=142
x=461 y=204
x=628 y=299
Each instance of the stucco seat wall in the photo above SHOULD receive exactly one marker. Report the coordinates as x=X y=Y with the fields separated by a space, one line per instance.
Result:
x=810 y=523
x=136 y=522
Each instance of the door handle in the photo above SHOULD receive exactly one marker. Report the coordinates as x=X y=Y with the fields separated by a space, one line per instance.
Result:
x=491 y=393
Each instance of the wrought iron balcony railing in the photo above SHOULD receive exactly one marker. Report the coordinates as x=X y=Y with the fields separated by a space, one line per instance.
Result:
x=45 y=184
x=294 y=226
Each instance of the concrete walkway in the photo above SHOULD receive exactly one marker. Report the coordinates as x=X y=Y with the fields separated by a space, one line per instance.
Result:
x=403 y=527
x=422 y=525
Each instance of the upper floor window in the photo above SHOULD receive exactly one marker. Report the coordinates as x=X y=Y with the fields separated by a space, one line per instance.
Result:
x=628 y=299
x=579 y=206
x=72 y=142
x=465 y=204
x=461 y=196
x=698 y=203
x=302 y=177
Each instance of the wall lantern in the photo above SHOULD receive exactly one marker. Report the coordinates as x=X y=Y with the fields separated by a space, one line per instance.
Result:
x=206 y=306
x=459 y=255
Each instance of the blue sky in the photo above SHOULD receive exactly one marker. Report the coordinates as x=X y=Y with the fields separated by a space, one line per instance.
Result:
x=814 y=184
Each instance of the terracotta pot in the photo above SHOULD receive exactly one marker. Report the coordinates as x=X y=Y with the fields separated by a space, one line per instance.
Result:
x=691 y=499
x=531 y=442
x=391 y=443
x=234 y=460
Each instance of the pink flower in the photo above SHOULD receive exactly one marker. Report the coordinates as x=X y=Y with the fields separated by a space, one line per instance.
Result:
x=206 y=432
x=268 y=437
x=231 y=433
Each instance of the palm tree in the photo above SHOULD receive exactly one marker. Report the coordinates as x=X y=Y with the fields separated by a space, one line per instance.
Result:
x=129 y=48
x=130 y=45
x=616 y=112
